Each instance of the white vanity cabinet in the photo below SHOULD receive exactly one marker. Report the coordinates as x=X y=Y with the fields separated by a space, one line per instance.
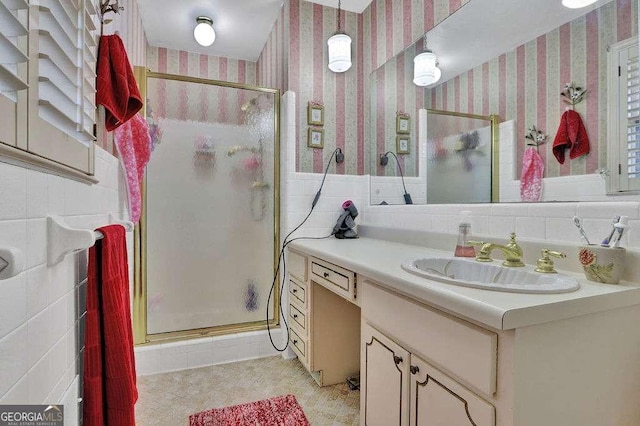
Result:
x=400 y=387
x=323 y=318
x=436 y=354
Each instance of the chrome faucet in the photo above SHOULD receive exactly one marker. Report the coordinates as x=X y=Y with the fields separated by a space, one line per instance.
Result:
x=512 y=252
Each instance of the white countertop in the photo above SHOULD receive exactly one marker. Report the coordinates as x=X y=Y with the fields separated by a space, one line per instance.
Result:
x=380 y=261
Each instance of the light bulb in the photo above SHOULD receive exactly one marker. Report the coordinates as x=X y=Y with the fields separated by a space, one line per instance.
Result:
x=203 y=32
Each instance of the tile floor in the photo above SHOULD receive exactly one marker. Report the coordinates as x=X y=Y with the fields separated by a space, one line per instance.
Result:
x=169 y=398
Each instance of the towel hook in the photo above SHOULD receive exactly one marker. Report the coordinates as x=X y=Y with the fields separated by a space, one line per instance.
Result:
x=107 y=6
x=536 y=137
x=572 y=94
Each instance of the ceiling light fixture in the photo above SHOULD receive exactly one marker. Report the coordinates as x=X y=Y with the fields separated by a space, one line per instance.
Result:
x=339 y=49
x=425 y=67
x=577 y=4
x=203 y=32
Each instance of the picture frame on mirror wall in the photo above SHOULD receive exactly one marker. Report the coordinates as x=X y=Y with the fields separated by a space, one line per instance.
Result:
x=402 y=144
x=315 y=138
x=315 y=115
x=403 y=124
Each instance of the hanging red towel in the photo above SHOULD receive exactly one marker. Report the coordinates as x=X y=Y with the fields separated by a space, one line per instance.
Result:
x=116 y=86
x=109 y=364
x=571 y=135
x=134 y=150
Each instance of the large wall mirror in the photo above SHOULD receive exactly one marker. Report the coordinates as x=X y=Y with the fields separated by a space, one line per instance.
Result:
x=510 y=59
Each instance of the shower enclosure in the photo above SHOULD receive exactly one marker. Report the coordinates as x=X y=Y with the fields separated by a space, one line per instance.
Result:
x=208 y=239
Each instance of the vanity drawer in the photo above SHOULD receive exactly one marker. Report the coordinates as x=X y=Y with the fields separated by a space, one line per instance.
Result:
x=298 y=294
x=298 y=318
x=334 y=278
x=462 y=349
x=299 y=346
x=297 y=266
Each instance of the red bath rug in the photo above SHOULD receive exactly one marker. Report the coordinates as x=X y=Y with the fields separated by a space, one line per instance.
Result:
x=277 y=411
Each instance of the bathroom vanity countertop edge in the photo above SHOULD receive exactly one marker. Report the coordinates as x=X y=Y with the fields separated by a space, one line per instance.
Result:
x=380 y=261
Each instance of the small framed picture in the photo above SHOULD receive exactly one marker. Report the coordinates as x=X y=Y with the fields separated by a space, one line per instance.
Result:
x=403 y=124
x=315 y=115
x=402 y=144
x=315 y=139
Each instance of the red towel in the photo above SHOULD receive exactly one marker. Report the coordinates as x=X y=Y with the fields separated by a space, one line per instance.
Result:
x=116 y=86
x=571 y=135
x=109 y=365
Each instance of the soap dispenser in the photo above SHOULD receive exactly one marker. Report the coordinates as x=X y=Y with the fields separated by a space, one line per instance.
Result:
x=463 y=248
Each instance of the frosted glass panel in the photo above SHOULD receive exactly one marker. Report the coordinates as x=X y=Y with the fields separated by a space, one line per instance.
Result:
x=210 y=215
x=458 y=159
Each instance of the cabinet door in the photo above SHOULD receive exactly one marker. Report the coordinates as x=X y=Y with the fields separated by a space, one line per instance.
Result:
x=384 y=379
x=437 y=400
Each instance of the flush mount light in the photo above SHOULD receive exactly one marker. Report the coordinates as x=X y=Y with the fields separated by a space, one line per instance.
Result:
x=577 y=4
x=203 y=32
x=339 y=49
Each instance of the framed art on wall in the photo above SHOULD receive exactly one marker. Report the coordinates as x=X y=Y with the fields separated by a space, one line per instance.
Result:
x=315 y=138
x=403 y=123
x=315 y=115
x=402 y=144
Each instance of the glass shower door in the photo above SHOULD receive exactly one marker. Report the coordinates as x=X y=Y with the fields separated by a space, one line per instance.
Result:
x=211 y=221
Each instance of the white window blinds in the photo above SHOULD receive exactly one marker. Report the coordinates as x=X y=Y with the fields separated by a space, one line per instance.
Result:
x=66 y=60
x=633 y=118
x=13 y=47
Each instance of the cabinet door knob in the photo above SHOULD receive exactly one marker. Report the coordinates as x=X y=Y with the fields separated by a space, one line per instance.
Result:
x=414 y=369
x=397 y=359
x=295 y=315
x=295 y=342
x=326 y=274
x=295 y=290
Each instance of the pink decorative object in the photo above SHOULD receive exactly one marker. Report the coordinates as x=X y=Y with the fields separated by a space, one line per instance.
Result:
x=133 y=142
x=280 y=410
x=251 y=163
x=532 y=173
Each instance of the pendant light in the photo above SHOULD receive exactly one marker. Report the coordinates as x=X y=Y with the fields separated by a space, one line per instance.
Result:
x=339 y=49
x=204 y=32
x=425 y=67
x=577 y=4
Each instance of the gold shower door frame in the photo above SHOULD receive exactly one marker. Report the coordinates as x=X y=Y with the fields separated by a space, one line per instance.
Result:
x=494 y=121
x=140 y=334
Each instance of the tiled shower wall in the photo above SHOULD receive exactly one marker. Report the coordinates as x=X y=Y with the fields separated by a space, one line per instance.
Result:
x=39 y=327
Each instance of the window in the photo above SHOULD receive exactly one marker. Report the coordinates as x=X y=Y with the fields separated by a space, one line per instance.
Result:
x=47 y=83
x=624 y=117
x=14 y=17
x=65 y=61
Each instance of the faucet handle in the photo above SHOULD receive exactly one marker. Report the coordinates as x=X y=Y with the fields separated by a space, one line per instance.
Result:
x=545 y=264
x=482 y=255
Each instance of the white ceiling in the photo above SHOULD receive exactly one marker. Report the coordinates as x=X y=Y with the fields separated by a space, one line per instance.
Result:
x=484 y=29
x=242 y=26
x=357 y=6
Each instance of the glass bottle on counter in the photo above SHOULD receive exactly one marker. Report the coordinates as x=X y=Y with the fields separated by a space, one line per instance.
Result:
x=463 y=248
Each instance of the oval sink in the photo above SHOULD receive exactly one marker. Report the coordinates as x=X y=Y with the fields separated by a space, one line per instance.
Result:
x=489 y=276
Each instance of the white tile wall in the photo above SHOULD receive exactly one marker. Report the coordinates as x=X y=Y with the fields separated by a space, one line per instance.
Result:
x=37 y=338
